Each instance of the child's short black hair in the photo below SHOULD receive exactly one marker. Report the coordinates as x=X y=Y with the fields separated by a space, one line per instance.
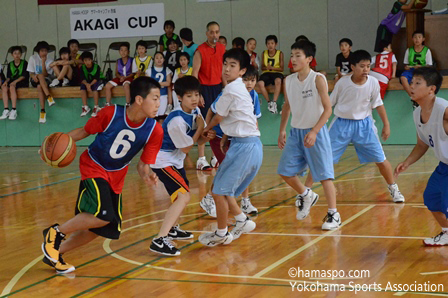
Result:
x=187 y=84
x=238 y=42
x=301 y=37
x=384 y=44
x=249 y=39
x=431 y=76
x=41 y=45
x=306 y=46
x=64 y=50
x=86 y=55
x=271 y=37
x=183 y=54
x=141 y=43
x=125 y=44
x=168 y=23
x=71 y=41
x=239 y=55
x=16 y=48
x=142 y=86
x=223 y=37
x=358 y=56
x=418 y=32
x=251 y=72
x=186 y=33
x=347 y=40
x=170 y=41
x=158 y=52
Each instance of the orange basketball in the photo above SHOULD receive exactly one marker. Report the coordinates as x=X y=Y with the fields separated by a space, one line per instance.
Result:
x=58 y=150
x=420 y=4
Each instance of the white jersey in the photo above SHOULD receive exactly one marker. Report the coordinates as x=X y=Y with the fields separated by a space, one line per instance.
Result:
x=432 y=133
x=353 y=101
x=304 y=100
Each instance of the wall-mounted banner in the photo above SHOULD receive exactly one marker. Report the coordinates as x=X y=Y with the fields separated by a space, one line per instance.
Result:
x=53 y=2
x=117 y=21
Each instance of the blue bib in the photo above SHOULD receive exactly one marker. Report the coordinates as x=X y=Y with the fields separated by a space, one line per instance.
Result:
x=189 y=119
x=160 y=77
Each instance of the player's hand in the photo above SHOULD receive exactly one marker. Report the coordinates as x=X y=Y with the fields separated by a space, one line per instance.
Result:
x=205 y=131
x=13 y=84
x=223 y=145
x=282 y=140
x=201 y=102
x=151 y=179
x=35 y=79
x=5 y=84
x=401 y=167
x=385 y=133
x=309 y=139
x=211 y=134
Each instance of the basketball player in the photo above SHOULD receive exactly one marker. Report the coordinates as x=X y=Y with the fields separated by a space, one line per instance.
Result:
x=121 y=134
x=431 y=122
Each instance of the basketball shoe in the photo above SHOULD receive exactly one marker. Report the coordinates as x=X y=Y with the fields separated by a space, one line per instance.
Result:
x=208 y=205
x=395 y=193
x=50 y=100
x=176 y=233
x=247 y=207
x=43 y=117
x=52 y=242
x=332 y=221
x=85 y=110
x=214 y=162
x=242 y=227
x=439 y=240
x=304 y=203
x=5 y=114
x=12 y=115
x=163 y=246
x=212 y=239
x=96 y=110
x=202 y=164
x=61 y=266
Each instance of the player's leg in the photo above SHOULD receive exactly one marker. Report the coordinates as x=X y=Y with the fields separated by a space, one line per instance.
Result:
x=127 y=91
x=77 y=239
x=85 y=109
x=108 y=88
x=246 y=204
x=405 y=79
x=5 y=112
x=277 y=89
x=262 y=86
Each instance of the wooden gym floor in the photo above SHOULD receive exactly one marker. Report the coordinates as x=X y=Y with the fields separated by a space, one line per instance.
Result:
x=382 y=238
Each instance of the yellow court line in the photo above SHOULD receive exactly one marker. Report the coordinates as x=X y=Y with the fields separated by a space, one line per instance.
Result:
x=435 y=272
x=311 y=243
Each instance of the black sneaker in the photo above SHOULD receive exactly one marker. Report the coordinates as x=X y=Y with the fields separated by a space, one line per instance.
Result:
x=52 y=241
x=162 y=245
x=177 y=234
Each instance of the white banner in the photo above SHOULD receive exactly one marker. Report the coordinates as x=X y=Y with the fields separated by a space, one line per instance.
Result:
x=117 y=21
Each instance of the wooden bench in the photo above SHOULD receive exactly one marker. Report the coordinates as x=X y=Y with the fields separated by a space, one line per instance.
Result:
x=73 y=92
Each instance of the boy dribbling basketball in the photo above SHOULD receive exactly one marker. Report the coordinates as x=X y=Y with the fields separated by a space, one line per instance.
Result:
x=121 y=134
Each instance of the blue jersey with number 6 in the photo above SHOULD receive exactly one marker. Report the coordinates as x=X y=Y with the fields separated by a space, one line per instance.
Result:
x=114 y=148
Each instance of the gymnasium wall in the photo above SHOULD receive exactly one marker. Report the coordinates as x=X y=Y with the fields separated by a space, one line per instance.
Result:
x=323 y=21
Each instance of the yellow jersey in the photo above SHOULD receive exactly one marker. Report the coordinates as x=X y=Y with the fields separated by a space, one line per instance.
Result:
x=142 y=65
x=273 y=61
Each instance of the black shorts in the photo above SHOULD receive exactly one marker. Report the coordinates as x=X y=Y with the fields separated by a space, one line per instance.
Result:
x=269 y=77
x=209 y=93
x=174 y=179
x=382 y=33
x=47 y=79
x=97 y=197
x=21 y=84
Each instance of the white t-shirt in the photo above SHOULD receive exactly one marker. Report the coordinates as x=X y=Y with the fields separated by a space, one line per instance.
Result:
x=134 y=63
x=35 y=65
x=236 y=106
x=432 y=133
x=304 y=100
x=177 y=130
x=354 y=101
x=428 y=57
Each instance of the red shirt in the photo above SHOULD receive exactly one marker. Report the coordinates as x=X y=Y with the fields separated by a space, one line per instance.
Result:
x=383 y=64
x=90 y=169
x=210 y=72
x=312 y=64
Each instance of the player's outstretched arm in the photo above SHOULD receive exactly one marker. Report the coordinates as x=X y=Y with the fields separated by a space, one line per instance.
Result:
x=146 y=173
x=386 y=126
x=78 y=134
x=418 y=151
x=408 y=6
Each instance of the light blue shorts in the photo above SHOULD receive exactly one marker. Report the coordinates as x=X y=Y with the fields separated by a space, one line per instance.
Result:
x=364 y=136
x=239 y=168
x=296 y=156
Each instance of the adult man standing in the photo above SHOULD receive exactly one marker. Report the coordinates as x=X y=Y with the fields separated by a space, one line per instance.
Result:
x=207 y=67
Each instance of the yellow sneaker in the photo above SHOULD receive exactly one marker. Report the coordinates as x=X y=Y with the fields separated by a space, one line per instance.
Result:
x=61 y=266
x=43 y=117
x=52 y=241
x=50 y=100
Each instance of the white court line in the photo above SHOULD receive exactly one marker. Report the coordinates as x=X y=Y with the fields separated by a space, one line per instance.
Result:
x=428 y=294
x=332 y=235
x=388 y=204
x=19 y=275
x=311 y=243
x=435 y=272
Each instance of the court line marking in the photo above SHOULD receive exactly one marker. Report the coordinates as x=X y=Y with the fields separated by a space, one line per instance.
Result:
x=311 y=243
x=416 y=293
x=435 y=272
x=19 y=275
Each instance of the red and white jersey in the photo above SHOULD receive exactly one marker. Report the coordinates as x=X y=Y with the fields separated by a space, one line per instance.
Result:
x=383 y=66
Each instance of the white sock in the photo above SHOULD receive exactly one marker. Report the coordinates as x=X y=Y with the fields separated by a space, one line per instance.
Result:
x=201 y=157
x=241 y=217
x=445 y=230
x=392 y=184
x=305 y=193
x=247 y=198
x=332 y=211
x=221 y=232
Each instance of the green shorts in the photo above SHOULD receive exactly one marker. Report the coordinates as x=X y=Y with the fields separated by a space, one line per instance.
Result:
x=97 y=197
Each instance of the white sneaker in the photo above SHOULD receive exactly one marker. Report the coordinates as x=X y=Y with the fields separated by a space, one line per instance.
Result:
x=5 y=114
x=395 y=193
x=85 y=111
x=332 y=221
x=305 y=203
x=247 y=207
x=50 y=100
x=65 y=82
x=96 y=110
x=202 y=164
x=214 y=162
x=100 y=87
x=274 y=107
x=208 y=205
x=43 y=117
x=169 y=108
x=54 y=83
x=243 y=227
x=107 y=104
x=212 y=239
x=439 y=240
x=13 y=115
x=270 y=107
